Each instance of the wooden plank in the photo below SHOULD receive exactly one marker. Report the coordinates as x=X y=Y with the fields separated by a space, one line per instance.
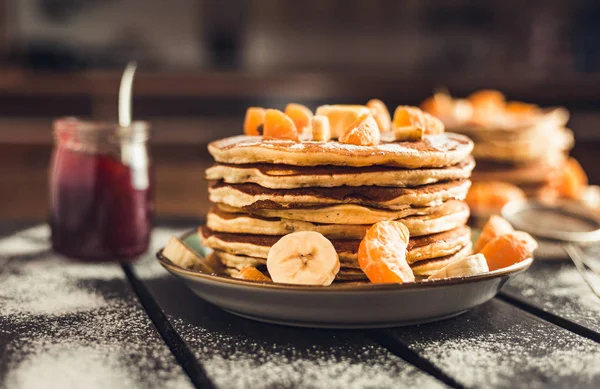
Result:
x=499 y=346
x=557 y=288
x=240 y=353
x=65 y=324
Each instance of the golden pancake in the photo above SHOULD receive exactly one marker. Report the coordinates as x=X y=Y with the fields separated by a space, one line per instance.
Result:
x=253 y=196
x=289 y=177
x=449 y=215
x=419 y=248
x=537 y=149
x=234 y=263
x=533 y=173
x=433 y=151
x=336 y=214
x=507 y=128
x=238 y=262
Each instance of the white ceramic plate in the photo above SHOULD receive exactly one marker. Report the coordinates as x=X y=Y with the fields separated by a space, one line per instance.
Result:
x=343 y=305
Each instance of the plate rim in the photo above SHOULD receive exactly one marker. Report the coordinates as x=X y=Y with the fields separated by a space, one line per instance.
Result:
x=341 y=287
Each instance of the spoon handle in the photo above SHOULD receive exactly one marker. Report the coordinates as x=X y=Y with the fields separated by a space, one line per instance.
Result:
x=125 y=92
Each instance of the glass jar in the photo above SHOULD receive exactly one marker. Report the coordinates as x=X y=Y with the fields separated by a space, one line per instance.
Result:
x=101 y=190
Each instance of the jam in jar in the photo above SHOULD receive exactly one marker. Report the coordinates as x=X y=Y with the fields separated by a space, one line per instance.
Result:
x=101 y=190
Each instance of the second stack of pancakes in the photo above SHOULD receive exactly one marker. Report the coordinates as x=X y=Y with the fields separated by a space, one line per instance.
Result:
x=264 y=189
x=517 y=143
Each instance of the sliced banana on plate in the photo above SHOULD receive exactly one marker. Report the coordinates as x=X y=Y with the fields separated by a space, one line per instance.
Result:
x=305 y=258
x=182 y=255
x=463 y=267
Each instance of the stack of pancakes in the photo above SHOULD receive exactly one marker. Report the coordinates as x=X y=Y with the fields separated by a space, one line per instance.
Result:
x=516 y=143
x=264 y=189
x=530 y=155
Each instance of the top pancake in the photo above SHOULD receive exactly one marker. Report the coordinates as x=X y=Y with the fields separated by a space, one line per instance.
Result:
x=505 y=127
x=288 y=176
x=433 y=151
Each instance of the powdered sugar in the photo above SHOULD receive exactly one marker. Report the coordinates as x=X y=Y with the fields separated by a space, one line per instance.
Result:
x=46 y=286
x=31 y=241
x=498 y=345
x=65 y=324
x=559 y=288
x=240 y=362
x=498 y=360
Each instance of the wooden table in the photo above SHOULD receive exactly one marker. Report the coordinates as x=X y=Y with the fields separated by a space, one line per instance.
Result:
x=65 y=324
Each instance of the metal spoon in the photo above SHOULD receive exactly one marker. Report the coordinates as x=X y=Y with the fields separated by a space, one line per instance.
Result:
x=125 y=93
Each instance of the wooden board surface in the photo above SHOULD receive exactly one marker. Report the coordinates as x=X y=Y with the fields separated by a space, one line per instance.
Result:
x=498 y=345
x=558 y=288
x=65 y=324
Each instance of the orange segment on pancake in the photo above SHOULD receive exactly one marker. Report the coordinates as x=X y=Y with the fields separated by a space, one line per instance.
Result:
x=382 y=253
x=363 y=132
x=487 y=100
x=573 y=181
x=521 y=109
x=253 y=274
x=278 y=125
x=381 y=114
x=508 y=249
x=300 y=115
x=440 y=104
x=491 y=196
x=407 y=116
x=496 y=226
x=255 y=117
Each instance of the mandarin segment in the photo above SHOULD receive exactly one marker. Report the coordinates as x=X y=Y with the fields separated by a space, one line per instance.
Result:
x=407 y=116
x=363 y=132
x=491 y=196
x=300 y=115
x=495 y=226
x=508 y=249
x=574 y=181
x=278 y=125
x=519 y=108
x=440 y=104
x=382 y=253
x=321 y=131
x=381 y=114
x=255 y=117
x=252 y=274
x=487 y=99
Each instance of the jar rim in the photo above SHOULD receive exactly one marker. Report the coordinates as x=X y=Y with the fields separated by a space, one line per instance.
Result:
x=74 y=124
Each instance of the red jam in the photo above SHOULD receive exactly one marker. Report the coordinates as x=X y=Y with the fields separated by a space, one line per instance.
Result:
x=101 y=208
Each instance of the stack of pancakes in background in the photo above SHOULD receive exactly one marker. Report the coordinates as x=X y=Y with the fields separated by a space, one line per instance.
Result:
x=520 y=148
x=264 y=189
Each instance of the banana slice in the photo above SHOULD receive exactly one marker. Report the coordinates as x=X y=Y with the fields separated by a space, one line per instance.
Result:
x=183 y=256
x=463 y=267
x=305 y=258
x=342 y=116
x=321 y=131
x=408 y=134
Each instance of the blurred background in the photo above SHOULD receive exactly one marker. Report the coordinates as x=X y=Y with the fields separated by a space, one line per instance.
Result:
x=201 y=63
